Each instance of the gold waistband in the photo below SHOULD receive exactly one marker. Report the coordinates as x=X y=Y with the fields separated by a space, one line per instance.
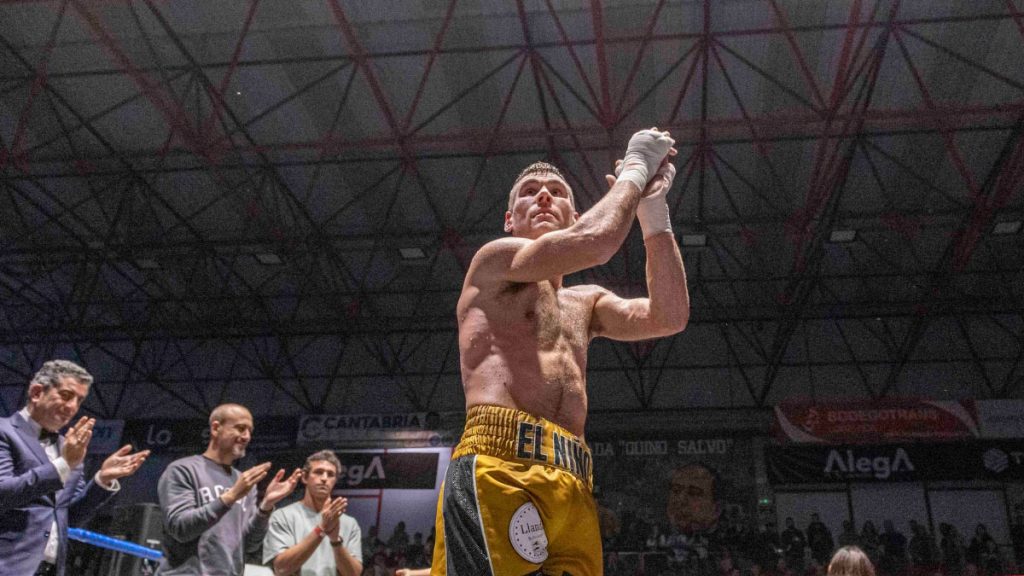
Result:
x=516 y=435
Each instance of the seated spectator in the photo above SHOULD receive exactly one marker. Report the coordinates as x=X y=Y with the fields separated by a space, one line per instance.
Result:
x=922 y=548
x=819 y=540
x=978 y=544
x=793 y=544
x=991 y=563
x=848 y=537
x=870 y=542
x=951 y=548
x=399 y=539
x=653 y=538
x=894 y=549
x=370 y=542
x=416 y=553
x=850 y=561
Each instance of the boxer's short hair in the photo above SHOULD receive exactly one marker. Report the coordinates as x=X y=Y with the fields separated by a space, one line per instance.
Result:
x=539 y=168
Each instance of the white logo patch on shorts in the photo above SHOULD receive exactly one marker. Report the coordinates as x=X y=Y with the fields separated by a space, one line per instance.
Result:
x=526 y=531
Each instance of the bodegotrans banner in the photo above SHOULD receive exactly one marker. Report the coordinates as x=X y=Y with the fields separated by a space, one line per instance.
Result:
x=875 y=422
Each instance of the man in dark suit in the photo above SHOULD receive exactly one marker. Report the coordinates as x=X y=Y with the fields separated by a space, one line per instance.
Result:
x=43 y=486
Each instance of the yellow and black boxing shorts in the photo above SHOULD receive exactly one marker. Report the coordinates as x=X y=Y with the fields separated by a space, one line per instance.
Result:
x=517 y=500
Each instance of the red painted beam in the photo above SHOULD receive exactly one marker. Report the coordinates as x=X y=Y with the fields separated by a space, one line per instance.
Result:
x=839 y=82
x=1017 y=17
x=646 y=39
x=434 y=51
x=947 y=137
x=597 y=19
x=218 y=95
x=798 y=54
x=16 y=153
x=570 y=46
x=361 y=59
x=1008 y=183
x=169 y=108
x=780 y=126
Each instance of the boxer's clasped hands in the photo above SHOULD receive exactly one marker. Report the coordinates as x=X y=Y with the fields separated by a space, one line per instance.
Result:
x=644 y=155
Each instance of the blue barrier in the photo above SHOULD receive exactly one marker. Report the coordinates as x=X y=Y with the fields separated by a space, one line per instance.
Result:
x=114 y=544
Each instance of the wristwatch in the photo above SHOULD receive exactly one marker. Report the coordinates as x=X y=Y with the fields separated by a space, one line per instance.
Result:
x=335 y=543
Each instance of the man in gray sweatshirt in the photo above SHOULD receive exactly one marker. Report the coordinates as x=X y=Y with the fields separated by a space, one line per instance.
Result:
x=211 y=517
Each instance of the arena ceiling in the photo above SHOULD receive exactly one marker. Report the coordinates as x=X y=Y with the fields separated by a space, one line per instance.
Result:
x=275 y=201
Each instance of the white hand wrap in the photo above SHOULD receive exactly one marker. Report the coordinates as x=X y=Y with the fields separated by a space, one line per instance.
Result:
x=652 y=212
x=644 y=153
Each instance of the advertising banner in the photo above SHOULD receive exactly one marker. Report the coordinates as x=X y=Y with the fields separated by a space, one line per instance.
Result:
x=876 y=422
x=992 y=460
x=191 y=436
x=106 y=436
x=1001 y=418
x=410 y=429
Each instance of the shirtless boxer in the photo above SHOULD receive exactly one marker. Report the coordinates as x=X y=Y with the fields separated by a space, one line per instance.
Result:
x=517 y=495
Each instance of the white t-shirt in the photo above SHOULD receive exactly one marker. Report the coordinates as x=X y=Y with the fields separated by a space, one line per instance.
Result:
x=294 y=522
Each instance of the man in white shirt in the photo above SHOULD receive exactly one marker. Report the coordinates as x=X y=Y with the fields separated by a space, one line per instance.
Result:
x=43 y=487
x=314 y=536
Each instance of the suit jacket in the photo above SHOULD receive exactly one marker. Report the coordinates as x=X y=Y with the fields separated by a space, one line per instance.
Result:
x=32 y=498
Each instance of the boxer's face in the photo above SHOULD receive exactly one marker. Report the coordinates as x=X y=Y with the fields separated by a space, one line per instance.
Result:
x=691 y=500
x=233 y=433
x=53 y=407
x=320 y=478
x=539 y=203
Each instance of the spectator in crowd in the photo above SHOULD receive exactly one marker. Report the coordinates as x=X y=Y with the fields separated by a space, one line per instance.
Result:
x=849 y=536
x=211 y=513
x=399 y=539
x=652 y=538
x=770 y=544
x=416 y=553
x=815 y=568
x=819 y=539
x=921 y=548
x=782 y=567
x=978 y=544
x=370 y=541
x=428 y=546
x=990 y=562
x=894 y=549
x=850 y=561
x=314 y=536
x=43 y=484
x=383 y=563
x=1017 y=533
x=870 y=541
x=608 y=522
x=951 y=547
x=793 y=545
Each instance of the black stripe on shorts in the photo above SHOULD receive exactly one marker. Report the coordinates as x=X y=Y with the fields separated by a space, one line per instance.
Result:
x=463 y=532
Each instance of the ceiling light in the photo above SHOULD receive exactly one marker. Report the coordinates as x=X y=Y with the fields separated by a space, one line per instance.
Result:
x=842 y=236
x=268 y=259
x=1006 y=228
x=694 y=240
x=412 y=253
x=147 y=264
